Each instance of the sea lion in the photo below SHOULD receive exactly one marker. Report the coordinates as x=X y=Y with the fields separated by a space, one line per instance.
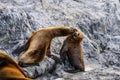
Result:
x=72 y=48
x=39 y=44
x=9 y=69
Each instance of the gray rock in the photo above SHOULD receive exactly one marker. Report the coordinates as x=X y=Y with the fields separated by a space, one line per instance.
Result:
x=98 y=19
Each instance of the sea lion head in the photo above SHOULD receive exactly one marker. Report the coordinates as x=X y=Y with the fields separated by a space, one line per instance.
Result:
x=78 y=35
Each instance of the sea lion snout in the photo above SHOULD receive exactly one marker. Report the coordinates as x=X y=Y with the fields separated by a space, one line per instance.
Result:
x=75 y=34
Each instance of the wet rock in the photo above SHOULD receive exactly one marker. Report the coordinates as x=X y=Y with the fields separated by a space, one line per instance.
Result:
x=98 y=19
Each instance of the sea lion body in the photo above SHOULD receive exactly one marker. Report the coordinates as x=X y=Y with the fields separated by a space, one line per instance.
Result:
x=72 y=48
x=39 y=44
x=9 y=69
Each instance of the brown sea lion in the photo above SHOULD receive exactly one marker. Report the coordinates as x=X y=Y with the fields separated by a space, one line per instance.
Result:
x=9 y=69
x=39 y=44
x=72 y=48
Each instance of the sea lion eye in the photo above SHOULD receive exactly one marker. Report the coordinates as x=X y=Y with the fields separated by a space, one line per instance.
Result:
x=78 y=34
x=74 y=34
x=1 y=60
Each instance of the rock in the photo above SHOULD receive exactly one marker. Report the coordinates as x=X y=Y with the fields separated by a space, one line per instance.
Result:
x=98 y=19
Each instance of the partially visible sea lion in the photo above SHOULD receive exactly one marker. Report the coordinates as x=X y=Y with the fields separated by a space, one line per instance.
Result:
x=72 y=48
x=39 y=44
x=9 y=69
